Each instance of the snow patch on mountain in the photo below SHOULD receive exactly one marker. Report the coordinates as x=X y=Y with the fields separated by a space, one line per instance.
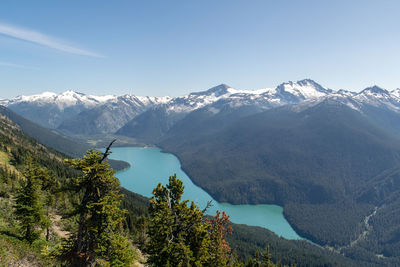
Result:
x=61 y=107
x=66 y=99
x=286 y=93
x=396 y=93
x=102 y=98
x=198 y=100
x=154 y=100
x=249 y=92
x=291 y=92
x=304 y=89
x=378 y=97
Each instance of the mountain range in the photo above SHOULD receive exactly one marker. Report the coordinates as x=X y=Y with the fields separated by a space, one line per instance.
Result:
x=148 y=118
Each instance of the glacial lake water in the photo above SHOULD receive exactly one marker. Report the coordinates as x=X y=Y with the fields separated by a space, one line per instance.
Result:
x=150 y=166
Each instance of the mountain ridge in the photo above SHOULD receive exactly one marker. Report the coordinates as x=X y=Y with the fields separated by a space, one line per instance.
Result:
x=77 y=113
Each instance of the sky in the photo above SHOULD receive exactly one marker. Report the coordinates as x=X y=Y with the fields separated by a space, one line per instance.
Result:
x=175 y=47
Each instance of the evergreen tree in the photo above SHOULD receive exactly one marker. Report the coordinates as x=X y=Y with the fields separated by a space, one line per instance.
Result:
x=177 y=233
x=267 y=258
x=219 y=249
x=50 y=191
x=29 y=207
x=264 y=260
x=97 y=240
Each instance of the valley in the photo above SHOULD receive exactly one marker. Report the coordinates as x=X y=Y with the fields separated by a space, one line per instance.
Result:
x=328 y=158
x=149 y=166
x=16 y=148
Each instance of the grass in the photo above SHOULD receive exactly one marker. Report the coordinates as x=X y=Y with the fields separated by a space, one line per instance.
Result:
x=14 y=252
x=5 y=162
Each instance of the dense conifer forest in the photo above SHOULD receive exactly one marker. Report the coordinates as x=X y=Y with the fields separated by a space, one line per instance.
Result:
x=56 y=210
x=335 y=172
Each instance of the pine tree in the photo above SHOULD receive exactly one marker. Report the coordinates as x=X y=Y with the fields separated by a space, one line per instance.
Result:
x=177 y=233
x=264 y=260
x=219 y=249
x=97 y=239
x=50 y=190
x=267 y=258
x=29 y=207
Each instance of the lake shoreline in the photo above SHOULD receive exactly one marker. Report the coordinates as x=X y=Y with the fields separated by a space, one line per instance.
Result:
x=295 y=228
x=143 y=159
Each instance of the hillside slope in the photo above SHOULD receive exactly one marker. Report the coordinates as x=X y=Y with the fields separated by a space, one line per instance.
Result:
x=323 y=159
x=15 y=150
x=316 y=152
x=44 y=135
x=53 y=139
x=246 y=240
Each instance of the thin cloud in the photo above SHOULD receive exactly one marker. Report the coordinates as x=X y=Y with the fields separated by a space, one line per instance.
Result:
x=43 y=39
x=13 y=65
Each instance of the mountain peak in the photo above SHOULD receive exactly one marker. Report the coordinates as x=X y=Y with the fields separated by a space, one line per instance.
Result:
x=374 y=90
x=304 y=89
x=308 y=81
x=216 y=90
x=46 y=94
x=396 y=93
x=72 y=93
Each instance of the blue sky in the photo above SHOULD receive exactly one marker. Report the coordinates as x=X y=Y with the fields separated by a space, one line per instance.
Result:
x=175 y=47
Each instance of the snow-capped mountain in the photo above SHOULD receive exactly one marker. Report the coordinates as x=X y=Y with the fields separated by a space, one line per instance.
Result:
x=71 y=103
x=78 y=113
x=285 y=93
x=370 y=97
x=197 y=100
x=108 y=117
x=396 y=93
x=64 y=100
x=50 y=109
x=221 y=101
x=377 y=96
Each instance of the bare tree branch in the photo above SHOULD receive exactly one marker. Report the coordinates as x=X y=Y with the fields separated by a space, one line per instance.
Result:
x=209 y=204
x=108 y=152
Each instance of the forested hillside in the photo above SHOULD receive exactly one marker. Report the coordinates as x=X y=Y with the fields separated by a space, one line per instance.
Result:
x=53 y=139
x=329 y=165
x=323 y=150
x=17 y=149
x=40 y=206
x=16 y=146
x=45 y=135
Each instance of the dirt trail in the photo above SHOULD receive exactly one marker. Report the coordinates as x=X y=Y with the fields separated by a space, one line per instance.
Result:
x=57 y=229
x=368 y=228
x=142 y=258
x=361 y=236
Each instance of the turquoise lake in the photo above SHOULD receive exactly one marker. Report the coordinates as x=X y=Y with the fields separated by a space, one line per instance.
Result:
x=150 y=166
